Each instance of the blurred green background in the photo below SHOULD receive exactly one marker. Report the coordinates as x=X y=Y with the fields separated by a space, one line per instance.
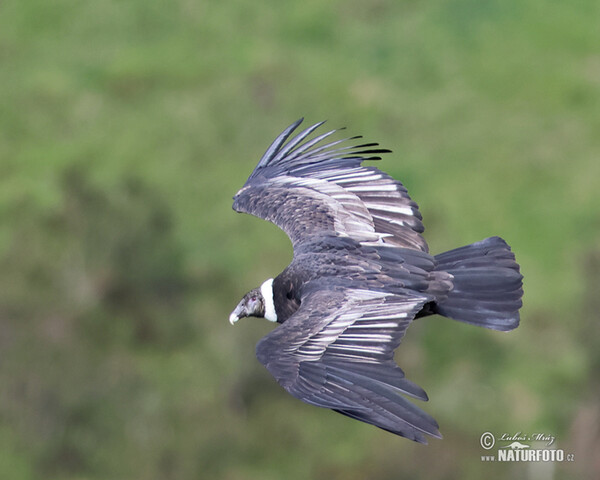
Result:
x=127 y=126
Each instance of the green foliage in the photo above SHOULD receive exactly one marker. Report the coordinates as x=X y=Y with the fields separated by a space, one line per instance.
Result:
x=126 y=128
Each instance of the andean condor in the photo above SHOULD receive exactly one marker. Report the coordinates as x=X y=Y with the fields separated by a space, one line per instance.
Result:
x=361 y=273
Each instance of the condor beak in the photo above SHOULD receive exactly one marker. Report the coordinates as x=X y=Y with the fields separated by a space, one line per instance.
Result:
x=239 y=312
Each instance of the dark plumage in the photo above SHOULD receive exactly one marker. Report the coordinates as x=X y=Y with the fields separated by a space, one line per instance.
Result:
x=361 y=273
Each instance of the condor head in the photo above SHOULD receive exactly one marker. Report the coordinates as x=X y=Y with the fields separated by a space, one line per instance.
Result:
x=256 y=303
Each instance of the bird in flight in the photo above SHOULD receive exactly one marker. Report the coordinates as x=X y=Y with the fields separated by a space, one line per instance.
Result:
x=360 y=274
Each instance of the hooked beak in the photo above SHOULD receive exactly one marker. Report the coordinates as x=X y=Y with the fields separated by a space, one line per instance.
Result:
x=239 y=312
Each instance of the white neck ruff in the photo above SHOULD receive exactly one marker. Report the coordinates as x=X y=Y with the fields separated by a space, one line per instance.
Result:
x=266 y=289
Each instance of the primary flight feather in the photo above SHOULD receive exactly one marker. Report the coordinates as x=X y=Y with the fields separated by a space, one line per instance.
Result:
x=361 y=273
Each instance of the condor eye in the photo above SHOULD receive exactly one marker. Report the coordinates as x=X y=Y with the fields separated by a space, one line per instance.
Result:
x=253 y=298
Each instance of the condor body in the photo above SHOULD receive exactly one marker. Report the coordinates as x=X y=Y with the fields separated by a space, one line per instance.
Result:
x=361 y=273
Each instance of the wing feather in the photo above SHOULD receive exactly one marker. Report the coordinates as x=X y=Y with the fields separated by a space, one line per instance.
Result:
x=337 y=350
x=307 y=188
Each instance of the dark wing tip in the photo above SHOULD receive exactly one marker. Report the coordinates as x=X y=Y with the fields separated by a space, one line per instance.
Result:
x=278 y=142
x=290 y=152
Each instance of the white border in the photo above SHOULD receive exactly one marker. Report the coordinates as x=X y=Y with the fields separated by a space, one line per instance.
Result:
x=266 y=289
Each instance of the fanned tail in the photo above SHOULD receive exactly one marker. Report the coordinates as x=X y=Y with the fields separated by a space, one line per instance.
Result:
x=487 y=285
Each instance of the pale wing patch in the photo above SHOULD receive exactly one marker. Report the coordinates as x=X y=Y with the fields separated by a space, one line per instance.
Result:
x=352 y=218
x=385 y=205
x=369 y=188
x=364 y=329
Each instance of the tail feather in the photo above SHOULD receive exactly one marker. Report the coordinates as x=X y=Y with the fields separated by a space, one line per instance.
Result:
x=486 y=284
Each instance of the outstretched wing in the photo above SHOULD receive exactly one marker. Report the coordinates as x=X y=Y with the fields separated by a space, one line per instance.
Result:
x=304 y=188
x=337 y=350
